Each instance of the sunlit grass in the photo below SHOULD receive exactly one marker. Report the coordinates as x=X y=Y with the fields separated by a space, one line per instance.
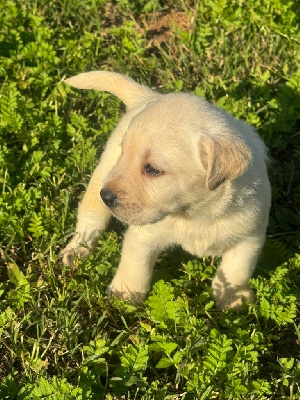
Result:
x=61 y=337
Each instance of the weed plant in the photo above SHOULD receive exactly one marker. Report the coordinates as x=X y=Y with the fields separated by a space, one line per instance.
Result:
x=60 y=336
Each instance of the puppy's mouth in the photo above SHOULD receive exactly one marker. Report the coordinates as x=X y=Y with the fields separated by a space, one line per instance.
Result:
x=131 y=213
x=130 y=216
x=137 y=213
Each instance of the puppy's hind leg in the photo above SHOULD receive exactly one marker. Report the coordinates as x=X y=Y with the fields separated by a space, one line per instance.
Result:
x=230 y=285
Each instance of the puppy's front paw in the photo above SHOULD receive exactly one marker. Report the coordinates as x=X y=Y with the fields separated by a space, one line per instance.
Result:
x=71 y=250
x=233 y=298
x=122 y=290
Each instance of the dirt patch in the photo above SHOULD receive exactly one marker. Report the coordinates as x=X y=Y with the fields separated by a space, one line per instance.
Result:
x=112 y=16
x=158 y=27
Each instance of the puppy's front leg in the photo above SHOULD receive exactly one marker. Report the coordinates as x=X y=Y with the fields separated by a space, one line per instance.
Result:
x=93 y=217
x=133 y=277
x=230 y=285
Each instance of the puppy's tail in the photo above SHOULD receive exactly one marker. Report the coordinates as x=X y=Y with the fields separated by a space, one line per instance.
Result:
x=130 y=92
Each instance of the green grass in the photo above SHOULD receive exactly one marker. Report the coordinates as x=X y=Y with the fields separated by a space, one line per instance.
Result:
x=61 y=337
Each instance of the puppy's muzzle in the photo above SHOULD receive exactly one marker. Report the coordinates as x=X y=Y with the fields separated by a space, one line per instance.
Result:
x=109 y=198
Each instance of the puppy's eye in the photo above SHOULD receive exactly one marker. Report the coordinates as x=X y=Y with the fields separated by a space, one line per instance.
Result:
x=149 y=170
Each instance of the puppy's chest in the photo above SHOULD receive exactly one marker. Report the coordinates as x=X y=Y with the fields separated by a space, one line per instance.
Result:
x=206 y=239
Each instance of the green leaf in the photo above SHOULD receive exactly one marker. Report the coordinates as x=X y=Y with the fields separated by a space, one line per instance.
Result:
x=164 y=363
x=15 y=275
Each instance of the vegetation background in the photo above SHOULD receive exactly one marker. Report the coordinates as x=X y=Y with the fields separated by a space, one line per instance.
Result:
x=61 y=338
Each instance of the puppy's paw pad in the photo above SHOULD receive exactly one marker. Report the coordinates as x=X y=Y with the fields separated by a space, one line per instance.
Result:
x=68 y=257
x=68 y=254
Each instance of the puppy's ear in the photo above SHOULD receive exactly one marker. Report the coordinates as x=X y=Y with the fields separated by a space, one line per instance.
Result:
x=130 y=92
x=224 y=158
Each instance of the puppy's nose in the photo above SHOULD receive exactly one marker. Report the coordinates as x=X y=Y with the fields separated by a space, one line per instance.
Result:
x=109 y=198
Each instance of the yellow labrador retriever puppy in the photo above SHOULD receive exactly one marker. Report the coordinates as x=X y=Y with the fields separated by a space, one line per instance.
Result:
x=179 y=171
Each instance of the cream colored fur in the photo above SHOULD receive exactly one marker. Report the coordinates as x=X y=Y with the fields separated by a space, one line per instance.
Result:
x=210 y=193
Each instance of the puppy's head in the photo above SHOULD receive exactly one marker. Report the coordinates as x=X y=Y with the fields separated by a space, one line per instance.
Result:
x=172 y=162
